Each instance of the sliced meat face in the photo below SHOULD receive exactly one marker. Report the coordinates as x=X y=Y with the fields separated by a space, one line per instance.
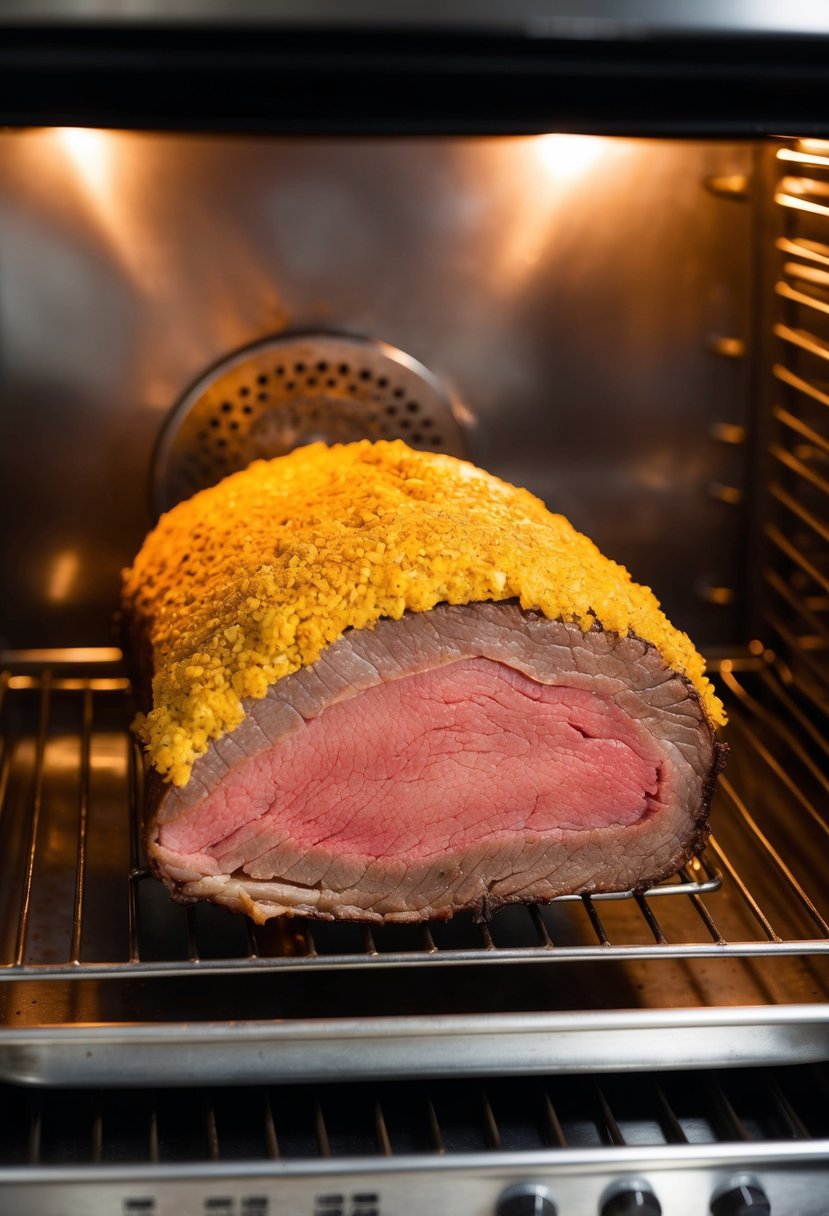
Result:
x=467 y=756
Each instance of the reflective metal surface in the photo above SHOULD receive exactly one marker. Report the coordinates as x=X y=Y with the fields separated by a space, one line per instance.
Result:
x=554 y=18
x=275 y=396
x=318 y=1047
x=565 y=289
x=391 y=1149
x=794 y=573
x=793 y=1177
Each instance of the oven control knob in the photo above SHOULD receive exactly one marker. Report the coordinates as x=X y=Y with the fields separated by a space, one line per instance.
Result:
x=526 y=1199
x=631 y=1199
x=741 y=1197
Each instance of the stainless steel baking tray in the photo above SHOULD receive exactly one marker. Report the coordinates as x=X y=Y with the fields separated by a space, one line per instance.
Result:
x=107 y=981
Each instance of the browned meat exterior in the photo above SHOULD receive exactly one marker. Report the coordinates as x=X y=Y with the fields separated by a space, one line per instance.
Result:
x=465 y=757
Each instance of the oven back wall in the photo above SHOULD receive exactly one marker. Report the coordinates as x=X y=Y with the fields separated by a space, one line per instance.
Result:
x=586 y=302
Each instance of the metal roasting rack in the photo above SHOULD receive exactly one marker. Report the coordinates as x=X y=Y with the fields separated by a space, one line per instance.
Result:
x=51 y=795
x=108 y=982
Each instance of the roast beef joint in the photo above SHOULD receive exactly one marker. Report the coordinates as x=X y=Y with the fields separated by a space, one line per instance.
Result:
x=382 y=685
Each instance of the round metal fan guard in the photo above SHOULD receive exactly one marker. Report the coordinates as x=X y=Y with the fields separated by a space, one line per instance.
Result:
x=270 y=398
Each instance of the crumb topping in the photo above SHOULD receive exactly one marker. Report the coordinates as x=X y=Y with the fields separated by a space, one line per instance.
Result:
x=251 y=579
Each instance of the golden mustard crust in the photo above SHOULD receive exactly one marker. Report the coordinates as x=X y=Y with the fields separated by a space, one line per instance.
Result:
x=251 y=579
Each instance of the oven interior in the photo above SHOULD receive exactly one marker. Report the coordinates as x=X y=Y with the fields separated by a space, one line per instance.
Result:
x=635 y=329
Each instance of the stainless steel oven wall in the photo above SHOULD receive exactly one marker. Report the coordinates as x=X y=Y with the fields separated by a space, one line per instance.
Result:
x=585 y=300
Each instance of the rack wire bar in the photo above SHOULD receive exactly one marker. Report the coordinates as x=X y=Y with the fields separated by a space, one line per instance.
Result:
x=270 y=1137
x=707 y=919
x=745 y=892
x=800 y=204
x=37 y=806
x=800 y=297
x=83 y=825
x=796 y=603
x=153 y=1149
x=381 y=1131
x=794 y=886
x=769 y=760
x=797 y=1128
x=812 y=276
x=788 y=377
x=797 y=466
x=35 y=1130
x=540 y=927
x=435 y=1133
x=96 y=1148
x=211 y=1130
x=817 y=702
x=490 y=1125
x=574 y=928
x=672 y=1129
x=190 y=923
x=134 y=768
x=794 y=713
x=555 y=1137
x=652 y=923
x=801 y=339
x=595 y=920
x=321 y=1130
x=791 y=551
x=807 y=662
x=802 y=428
x=725 y=1114
x=813 y=251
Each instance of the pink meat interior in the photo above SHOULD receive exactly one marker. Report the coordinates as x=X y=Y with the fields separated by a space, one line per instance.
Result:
x=421 y=765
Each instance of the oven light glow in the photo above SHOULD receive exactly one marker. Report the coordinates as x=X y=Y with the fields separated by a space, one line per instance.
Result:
x=101 y=172
x=89 y=152
x=820 y=147
x=804 y=157
x=62 y=575
x=568 y=157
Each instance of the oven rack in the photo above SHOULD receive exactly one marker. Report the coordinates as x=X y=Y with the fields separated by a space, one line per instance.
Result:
x=353 y=1148
x=108 y=982
x=76 y=900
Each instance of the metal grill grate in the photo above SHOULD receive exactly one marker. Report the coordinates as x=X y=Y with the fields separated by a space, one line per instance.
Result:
x=49 y=1128
x=76 y=900
x=797 y=574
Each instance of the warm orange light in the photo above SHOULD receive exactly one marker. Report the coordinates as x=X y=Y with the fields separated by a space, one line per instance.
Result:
x=62 y=575
x=805 y=158
x=99 y=164
x=547 y=176
x=567 y=157
x=89 y=151
x=104 y=183
x=820 y=147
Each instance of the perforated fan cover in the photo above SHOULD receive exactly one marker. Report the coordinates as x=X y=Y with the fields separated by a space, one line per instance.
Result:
x=270 y=398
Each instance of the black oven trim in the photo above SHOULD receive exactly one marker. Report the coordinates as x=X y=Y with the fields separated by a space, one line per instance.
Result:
x=374 y=80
